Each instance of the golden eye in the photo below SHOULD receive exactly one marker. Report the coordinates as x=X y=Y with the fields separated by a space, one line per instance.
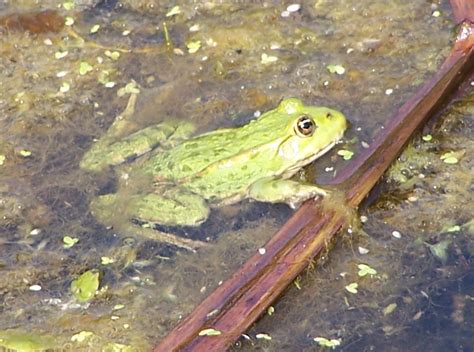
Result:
x=305 y=126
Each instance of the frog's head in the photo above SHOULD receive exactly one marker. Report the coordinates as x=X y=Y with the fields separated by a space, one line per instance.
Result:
x=310 y=132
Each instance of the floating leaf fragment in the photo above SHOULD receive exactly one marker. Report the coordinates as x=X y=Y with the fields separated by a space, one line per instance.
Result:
x=193 y=46
x=109 y=85
x=455 y=228
x=427 y=137
x=364 y=270
x=25 y=153
x=263 y=337
x=268 y=59
x=209 y=332
x=68 y=5
x=176 y=10
x=60 y=54
x=337 y=69
x=82 y=336
x=396 y=234
x=69 y=21
x=86 y=285
x=332 y=343
x=297 y=283
x=85 y=68
x=452 y=157
x=106 y=260
x=119 y=306
x=64 y=87
x=35 y=232
x=389 y=309
x=194 y=28
x=114 y=55
x=352 y=287
x=2 y=159
x=35 y=288
x=270 y=310
x=95 y=28
x=293 y=8
x=69 y=241
x=103 y=77
x=451 y=160
x=346 y=154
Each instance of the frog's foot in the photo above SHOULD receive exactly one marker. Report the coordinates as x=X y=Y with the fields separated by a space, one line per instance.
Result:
x=165 y=237
x=291 y=192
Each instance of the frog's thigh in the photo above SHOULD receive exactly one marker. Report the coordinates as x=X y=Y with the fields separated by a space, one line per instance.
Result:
x=107 y=152
x=114 y=148
x=173 y=207
x=276 y=190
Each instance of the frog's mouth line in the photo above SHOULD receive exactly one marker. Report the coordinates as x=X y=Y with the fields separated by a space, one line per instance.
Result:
x=290 y=172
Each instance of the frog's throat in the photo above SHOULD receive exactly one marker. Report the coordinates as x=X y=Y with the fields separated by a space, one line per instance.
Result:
x=294 y=169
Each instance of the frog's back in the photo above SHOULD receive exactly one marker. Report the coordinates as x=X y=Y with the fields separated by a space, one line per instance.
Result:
x=225 y=156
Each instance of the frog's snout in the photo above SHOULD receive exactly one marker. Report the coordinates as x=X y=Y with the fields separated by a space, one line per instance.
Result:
x=337 y=119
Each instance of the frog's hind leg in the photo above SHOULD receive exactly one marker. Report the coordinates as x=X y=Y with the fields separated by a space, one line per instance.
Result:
x=116 y=146
x=172 y=207
x=107 y=209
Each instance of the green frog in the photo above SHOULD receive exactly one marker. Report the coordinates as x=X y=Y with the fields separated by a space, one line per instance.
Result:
x=170 y=178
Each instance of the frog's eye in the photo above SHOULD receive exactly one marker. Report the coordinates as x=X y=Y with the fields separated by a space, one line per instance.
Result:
x=305 y=126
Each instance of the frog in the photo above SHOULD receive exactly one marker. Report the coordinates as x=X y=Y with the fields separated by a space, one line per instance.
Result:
x=173 y=177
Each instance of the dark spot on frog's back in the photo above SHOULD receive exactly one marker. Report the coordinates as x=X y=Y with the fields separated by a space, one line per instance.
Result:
x=218 y=151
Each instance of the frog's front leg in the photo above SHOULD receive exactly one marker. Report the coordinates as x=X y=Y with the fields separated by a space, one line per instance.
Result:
x=115 y=146
x=275 y=190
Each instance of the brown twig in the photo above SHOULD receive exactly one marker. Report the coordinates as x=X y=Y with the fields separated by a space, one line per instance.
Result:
x=463 y=10
x=240 y=300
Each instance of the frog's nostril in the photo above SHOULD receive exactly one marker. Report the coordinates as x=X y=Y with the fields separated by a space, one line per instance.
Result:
x=329 y=116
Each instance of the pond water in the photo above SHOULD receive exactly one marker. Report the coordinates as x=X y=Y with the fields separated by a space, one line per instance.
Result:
x=220 y=64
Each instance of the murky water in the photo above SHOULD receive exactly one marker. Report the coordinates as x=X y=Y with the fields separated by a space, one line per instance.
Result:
x=62 y=87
